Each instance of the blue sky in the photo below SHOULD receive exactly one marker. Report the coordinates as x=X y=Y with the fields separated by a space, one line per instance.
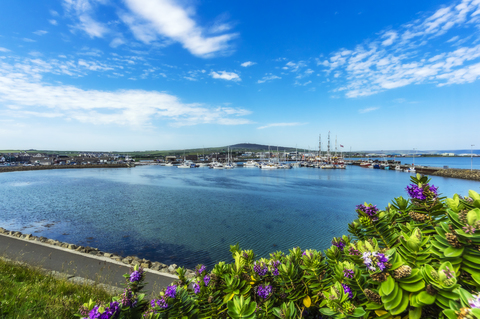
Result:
x=160 y=74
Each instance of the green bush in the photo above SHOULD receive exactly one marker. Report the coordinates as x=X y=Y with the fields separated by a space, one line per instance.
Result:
x=418 y=258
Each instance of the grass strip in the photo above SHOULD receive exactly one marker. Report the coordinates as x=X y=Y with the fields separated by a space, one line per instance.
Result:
x=27 y=292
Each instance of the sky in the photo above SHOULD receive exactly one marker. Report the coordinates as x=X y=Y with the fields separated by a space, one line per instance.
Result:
x=107 y=75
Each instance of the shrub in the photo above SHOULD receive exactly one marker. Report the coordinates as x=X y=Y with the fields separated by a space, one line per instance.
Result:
x=418 y=258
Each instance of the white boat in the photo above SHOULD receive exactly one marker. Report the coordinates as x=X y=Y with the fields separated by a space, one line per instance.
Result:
x=228 y=166
x=217 y=165
x=250 y=164
x=284 y=166
x=203 y=164
x=327 y=166
x=398 y=168
x=169 y=164
x=410 y=170
x=268 y=166
x=187 y=164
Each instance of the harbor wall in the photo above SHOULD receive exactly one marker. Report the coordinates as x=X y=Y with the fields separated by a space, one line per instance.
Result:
x=4 y=169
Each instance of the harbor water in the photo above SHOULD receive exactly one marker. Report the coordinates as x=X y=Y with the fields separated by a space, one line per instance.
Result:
x=191 y=216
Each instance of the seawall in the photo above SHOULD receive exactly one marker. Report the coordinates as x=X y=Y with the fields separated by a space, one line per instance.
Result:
x=4 y=169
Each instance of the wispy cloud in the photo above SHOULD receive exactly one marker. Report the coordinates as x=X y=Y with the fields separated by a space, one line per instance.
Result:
x=165 y=18
x=403 y=57
x=28 y=40
x=29 y=96
x=4 y=49
x=224 y=75
x=368 y=109
x=82 y=11
x=280 y=125
x=248 y=63
x=268 y=77
x=53 y=22
x=40 y=32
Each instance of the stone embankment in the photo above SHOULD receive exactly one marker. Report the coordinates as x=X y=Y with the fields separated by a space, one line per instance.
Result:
x=4 y=169
x=129 y=260
x=458 y=173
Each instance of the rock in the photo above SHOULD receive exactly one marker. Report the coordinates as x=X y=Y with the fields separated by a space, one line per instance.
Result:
x=117 y=258
x=136 y=262
x=2 y=230
x=43 y=239
x=72 y=246
x=108 y=255
x=17 y=234
x=127 y=260
x=64 y=245
x=157 y=266
x=145 y=265
x=148 y=262
x=165 y=270
x=28 y=236
x=172 y=268
x=79 y=248
x=93 y=252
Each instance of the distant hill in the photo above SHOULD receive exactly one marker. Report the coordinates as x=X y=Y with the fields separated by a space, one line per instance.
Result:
x=259 y=147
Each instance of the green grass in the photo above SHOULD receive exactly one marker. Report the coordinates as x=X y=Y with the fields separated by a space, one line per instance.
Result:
x=27 y=292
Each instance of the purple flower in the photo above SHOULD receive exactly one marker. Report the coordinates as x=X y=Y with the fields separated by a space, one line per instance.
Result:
x=196 y=288
x=370 y=210
x=171 y=291
x=372 y=259
x=127 y=298
x=264 y=291
x=275 y=265
x=348 y=273
x=162 y=303
x=354 y=252
x=206 y=279
x=347 y=290
x=475 y=302
x=200 y=269
x=422 y=193
x=136 y=275
x=339 y=243
x=260 y=268
x=111 y=312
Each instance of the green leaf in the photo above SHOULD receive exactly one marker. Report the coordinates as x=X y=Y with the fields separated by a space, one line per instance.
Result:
x=425 y=298
x=401 y=307
x=416 y=313
x=453 y=252
x=388 y=285
x=450 y=314
x=413 y=287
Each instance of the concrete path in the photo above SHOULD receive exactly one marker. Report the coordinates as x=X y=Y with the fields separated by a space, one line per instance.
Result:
x=79 y=265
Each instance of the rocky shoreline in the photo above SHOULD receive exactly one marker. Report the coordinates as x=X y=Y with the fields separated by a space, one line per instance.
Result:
x=473 y=175
x=129 y=260
x=4 y=169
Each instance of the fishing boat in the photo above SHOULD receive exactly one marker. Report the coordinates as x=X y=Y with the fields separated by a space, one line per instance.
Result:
x=168 y=164
x=187 y=164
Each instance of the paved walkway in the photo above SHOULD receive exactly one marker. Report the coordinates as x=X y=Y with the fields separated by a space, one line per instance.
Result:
x=100 y=269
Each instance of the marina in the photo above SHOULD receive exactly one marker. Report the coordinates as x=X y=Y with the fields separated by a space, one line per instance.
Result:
x=167 y=214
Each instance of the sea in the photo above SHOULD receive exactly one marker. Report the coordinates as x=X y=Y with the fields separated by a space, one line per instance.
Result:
x=192 y=216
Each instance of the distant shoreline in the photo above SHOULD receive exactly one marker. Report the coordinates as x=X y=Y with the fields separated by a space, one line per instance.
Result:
x=6 y=169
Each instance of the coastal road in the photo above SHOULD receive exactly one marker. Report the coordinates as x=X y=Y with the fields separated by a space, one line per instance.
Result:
x=99 y=269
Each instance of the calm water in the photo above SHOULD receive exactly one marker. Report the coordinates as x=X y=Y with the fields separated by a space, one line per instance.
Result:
x=191 y=216
x=451 y=162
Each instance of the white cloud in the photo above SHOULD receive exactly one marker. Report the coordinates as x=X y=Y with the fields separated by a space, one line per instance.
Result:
x=268 y=77
x=224 y=75
x=248 y=63
x=116 y=42
x=166 y=18
x=53 y=22
x=28 y=40
x=4 y=50
x=82 y=11
x=30 y=97
x=40 y=32
x=390 y=37
x=402 y=57
x=368 y=109
x=280 y=125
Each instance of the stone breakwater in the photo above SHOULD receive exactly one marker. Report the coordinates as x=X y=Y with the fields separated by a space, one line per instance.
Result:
x=4 y=169
x=129 y=260
x=458 y=173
